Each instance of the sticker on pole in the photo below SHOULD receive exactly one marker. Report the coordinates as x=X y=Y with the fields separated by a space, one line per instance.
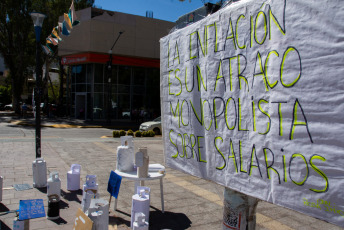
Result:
x=30 y=209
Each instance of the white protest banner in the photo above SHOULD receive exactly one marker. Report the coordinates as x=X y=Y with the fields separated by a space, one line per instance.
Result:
x=253 y=99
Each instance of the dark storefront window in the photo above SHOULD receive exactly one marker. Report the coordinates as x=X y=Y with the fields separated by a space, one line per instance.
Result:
x=134 y=90
x=98 y=74
x=124 y=75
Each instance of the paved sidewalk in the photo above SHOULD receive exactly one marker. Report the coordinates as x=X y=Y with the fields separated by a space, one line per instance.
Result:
x=190 y=202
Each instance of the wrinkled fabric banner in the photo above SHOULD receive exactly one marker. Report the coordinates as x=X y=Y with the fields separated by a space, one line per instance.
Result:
x=252 y=98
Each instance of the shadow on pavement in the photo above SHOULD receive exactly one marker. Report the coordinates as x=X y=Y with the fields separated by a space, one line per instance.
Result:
x=114 y=220
x=42 y=190
x=72 y=195
x=3 y=208
x=3 y=226
x=59 y=221
x=168 y=220
x=63 y=205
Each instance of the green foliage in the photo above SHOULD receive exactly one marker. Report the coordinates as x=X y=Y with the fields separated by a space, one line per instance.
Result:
x=145 y=134
x=17 y=38
x=122 y=133
x=151 y=133
x=130 y=132
x=53 y=90
x=138 y=134
x=5 y=94
x=115 y=133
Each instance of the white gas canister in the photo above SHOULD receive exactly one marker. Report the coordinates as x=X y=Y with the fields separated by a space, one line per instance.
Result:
x=91 y=182
x=125 y=159
x=127 y=141
x=140 y=222
x=98 y=212
x=73 y=177
x=89 y=191
x=39 y=172
x=140 y=203
x=54 y=185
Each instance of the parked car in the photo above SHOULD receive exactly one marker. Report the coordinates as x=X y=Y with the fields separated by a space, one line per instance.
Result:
x=154 y=125
x=9 y=107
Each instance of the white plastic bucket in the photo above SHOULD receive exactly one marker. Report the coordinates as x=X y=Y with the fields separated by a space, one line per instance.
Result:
x=73 y=177
x=54 y=185
x=39 y=172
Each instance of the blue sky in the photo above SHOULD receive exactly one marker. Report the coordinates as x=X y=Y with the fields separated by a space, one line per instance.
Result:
x=168 y=10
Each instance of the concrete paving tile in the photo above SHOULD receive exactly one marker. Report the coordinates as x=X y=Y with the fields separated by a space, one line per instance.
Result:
x=214 y=225
x=291 y=222
x=323 y=225
x=185 y=195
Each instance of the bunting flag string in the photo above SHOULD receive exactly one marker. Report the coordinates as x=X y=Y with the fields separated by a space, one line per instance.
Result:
x=64 y=28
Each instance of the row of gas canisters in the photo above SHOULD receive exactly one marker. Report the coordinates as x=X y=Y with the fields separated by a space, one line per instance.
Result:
x=53 y=184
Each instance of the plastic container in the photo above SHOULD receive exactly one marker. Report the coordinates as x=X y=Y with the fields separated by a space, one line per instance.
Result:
x=39 y=172
x=89 y=191
x=140 y=222
x=98 y=212
x=125 y=155
x=53 y=207
x=54 y=185
x=127 y=141
x=73 y=177
x=125 y=159
x=91 y=182
x=140 y=203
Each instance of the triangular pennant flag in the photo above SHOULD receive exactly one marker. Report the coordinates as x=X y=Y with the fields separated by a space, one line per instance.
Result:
x=53 y=40
x=46 y=50
x=55 y=33
x=72 y=15
x=59 y=28
x=65 y=31
x=48 y=41
x=67 y=21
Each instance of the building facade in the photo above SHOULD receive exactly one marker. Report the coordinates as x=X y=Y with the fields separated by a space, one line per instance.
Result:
x=130 y=84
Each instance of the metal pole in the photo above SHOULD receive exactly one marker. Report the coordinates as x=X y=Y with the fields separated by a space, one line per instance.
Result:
x=109 y=68
x=109 y=103
x=38 y=100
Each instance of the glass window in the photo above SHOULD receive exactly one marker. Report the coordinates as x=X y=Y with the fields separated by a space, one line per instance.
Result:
x=124 y=74
x=98 y=73
x=89 y=73
x=80 y=87
x=153 y=77
x=138 y=90
x=139 y=76
x=124 y=89
x=98 y=108
x=114 y=74
x=89 y=106
x=99 y=88
x=124 y=106
x=80 y=73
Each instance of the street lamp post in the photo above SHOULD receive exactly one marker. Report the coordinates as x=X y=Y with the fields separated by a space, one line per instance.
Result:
x=38 y=19
x=109 y=67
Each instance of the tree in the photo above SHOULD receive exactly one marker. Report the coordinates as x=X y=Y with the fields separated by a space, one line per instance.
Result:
x=17 y=39
x=16 y=44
